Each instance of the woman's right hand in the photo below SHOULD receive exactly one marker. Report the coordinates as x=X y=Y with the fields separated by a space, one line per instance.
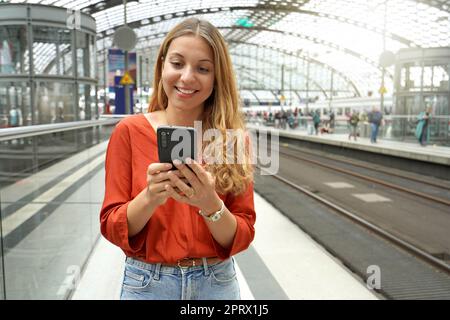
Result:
x=157 y=179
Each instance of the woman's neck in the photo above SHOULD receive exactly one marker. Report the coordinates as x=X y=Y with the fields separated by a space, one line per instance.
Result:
x=186 y=118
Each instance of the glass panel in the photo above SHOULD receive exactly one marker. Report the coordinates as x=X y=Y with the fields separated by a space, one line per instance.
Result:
x=93 y=57
x=86 y=102
x=439 y=127
x=52 y=50
x=440 y=78
x=15 y=108
x=403 y=77
x=83 y=56
x=427 y=78
x=54 y=102
x=13 y=50
x=415 y=74
x=49 y=213
x=411 y=77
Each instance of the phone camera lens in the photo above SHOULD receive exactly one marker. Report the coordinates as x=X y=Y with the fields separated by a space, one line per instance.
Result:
x=164 y=139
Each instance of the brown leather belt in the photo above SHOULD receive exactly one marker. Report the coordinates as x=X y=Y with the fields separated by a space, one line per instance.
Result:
x=192 y=262
x=187 y=262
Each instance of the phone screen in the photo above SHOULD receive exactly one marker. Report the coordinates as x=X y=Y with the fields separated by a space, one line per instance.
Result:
x=176 y=143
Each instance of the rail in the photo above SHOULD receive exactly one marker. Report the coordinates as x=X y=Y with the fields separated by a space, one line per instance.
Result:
x=42 y=129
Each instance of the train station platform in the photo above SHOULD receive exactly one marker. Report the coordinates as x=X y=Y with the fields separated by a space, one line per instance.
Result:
x=282 y=263
x=407 y=150
x=328 y=209
x=54 y=214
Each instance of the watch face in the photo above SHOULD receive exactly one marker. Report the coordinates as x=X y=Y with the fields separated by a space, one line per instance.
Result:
x=215 y=216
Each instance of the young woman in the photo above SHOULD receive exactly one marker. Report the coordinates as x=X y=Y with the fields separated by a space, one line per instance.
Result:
x=180 y=226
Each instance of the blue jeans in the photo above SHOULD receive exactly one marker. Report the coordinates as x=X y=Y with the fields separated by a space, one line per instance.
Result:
x=147 y=281
x=374 y=133
x=424 y=136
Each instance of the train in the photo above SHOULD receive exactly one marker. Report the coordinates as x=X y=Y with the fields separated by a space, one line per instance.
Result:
x=340 y=107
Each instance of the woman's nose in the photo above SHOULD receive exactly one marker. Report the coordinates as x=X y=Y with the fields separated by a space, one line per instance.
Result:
x=187 y=74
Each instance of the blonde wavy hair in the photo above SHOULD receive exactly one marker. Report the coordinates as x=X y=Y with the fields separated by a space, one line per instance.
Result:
x=221 y=109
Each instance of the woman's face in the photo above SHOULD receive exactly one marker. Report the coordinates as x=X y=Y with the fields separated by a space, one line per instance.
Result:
x=188 y=72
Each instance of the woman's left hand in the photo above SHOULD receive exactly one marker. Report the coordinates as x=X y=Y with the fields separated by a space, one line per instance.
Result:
x=201 y=193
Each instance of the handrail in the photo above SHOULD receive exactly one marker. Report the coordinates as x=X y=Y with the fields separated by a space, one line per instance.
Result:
x=389 y=117
x=41 y=129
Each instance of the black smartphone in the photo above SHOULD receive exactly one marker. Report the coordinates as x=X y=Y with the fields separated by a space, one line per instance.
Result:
x=176 y=143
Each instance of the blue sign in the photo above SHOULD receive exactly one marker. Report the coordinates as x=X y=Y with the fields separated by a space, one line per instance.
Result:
x=120 y=96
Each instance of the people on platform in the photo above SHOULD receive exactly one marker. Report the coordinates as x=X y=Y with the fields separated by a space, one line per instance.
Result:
x=316 y=121
x=364 y=124
x=375 y=120
x=353 y=122
x=332 y=121
x=423 y=126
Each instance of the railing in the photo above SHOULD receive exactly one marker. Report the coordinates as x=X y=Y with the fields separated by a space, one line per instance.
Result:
x=37 y=130
x=394 y=127
x=50 y=196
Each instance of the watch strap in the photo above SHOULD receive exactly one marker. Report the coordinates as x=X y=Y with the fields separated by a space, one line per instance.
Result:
x=215 y=215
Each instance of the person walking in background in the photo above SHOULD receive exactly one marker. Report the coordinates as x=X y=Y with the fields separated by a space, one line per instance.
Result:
x=364 y=124
x=332 y=121
x=277 y=119
x=316 y=121
x=375 y=119
x=354 y=119
x=423 y=126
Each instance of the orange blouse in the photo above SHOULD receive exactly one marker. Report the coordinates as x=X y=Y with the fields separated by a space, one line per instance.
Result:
x=175 y=230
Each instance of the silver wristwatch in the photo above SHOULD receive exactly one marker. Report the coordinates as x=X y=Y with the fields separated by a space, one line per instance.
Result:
x=214 y=216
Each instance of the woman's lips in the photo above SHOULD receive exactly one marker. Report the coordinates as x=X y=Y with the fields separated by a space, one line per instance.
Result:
x=185 y=93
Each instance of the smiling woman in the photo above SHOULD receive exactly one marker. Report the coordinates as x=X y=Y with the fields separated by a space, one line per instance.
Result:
x=188 y=74
x=194 y=56
x=182 y=223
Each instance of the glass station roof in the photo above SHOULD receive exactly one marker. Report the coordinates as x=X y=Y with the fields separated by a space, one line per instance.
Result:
x=280 y=44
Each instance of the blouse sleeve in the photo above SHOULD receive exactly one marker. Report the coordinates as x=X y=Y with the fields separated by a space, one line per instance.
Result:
x=243 y=208
x=118 y=181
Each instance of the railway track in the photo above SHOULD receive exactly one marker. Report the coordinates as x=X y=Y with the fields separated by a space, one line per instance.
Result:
x=427 y=283
x=372 y=168
x=426 y=277
x=361 y=221
x=423 y=184
x=440 y=188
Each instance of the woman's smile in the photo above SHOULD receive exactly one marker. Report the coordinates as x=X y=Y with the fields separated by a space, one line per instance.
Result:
x=185 y=93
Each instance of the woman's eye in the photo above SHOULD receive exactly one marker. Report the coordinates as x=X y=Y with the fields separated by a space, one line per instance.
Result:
x=204 y=70
x=176 y=64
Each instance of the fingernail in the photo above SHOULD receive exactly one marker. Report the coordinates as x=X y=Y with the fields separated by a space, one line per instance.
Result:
x=188 y=160
x=176 y=162
x=168 y=165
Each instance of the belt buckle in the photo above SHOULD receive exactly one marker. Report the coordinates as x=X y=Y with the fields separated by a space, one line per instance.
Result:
x=180 y=260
